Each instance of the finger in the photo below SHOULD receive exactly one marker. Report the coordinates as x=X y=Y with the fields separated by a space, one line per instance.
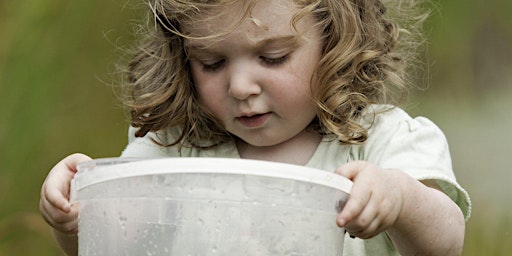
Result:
x=351 y=170
x=355 y=205
x=57 y=185
x=72 y=226
x=52 y=198
x=52 y=214
x=365 y=218
x=69 y=225
x=56 y=194
x=64 y=222
x=73 y=160
x=368 y=222
x=371 y=230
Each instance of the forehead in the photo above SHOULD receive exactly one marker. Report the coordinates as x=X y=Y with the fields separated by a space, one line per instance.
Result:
x=249 y=17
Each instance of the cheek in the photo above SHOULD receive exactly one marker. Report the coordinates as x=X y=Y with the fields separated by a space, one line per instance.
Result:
x=202 y=88
x=207 y=84
x=205 y=96
x=209 y=95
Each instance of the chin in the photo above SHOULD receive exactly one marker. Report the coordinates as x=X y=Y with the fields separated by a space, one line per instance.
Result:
x=255 y=142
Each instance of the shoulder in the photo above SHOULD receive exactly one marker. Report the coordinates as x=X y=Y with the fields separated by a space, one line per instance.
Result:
x=389 y=122
x=387 y=115
x=397 y=140
x=153 y=144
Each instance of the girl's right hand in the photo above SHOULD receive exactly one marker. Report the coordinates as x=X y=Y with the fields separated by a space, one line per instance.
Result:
x=54 y=202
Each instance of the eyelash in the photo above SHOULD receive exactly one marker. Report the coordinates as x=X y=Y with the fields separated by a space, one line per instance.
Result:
x=275 y=61
x=267 y=61
x=213 y=67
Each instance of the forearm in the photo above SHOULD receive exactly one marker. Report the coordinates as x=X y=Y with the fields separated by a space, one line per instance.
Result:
x=430 y=223
x=68 y=242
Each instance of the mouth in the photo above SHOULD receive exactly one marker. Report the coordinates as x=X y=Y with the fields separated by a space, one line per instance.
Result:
x=253 y=120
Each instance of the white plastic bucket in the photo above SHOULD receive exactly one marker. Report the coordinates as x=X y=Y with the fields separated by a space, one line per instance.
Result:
x=207 y=206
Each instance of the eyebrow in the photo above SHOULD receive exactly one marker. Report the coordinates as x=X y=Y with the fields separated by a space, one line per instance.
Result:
x=291 y=41
x=288 y=40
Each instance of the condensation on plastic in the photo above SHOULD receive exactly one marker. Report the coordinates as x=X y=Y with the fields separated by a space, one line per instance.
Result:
x=207 y=206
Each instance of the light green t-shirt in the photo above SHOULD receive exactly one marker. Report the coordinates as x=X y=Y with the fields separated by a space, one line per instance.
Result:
x=395 y=140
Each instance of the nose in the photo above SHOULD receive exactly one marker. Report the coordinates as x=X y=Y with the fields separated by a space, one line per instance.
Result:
x=243 y=82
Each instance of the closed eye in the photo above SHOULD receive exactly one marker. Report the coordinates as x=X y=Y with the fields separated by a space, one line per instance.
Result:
x=214 y=66
x=274 y=61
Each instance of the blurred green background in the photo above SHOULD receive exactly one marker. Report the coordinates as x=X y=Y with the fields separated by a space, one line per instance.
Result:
x=57 y=65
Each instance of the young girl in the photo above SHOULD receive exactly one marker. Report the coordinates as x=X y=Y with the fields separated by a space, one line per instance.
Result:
x=295 y=81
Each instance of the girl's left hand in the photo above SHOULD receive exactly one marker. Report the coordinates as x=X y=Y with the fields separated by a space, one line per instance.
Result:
x=375 y=201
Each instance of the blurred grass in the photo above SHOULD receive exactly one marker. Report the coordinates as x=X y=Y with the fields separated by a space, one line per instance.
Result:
x=57 y=58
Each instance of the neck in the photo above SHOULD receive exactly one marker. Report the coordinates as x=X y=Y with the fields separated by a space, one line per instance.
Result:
x=297 y=150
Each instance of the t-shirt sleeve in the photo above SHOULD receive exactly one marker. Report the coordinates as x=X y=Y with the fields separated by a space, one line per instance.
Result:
x=418 y=147
x=143 y=147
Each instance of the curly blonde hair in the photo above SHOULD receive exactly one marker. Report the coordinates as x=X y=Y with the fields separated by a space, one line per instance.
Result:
x=365 y=54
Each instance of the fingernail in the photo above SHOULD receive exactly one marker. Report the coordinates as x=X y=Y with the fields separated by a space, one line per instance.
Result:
x=67 y=207
x=341 y=222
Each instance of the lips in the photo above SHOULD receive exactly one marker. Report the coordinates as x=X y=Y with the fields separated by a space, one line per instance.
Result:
x=255 y=120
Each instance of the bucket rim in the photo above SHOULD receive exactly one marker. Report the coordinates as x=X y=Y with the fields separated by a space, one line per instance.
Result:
x=105 y=169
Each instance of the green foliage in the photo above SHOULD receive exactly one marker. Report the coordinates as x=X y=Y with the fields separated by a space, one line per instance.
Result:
x=57 y=65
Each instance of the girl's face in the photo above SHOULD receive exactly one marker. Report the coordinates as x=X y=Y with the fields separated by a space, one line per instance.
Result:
x=256 y=79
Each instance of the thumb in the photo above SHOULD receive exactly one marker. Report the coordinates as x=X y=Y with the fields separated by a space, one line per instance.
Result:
x=73 y=160
x=351 y=169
